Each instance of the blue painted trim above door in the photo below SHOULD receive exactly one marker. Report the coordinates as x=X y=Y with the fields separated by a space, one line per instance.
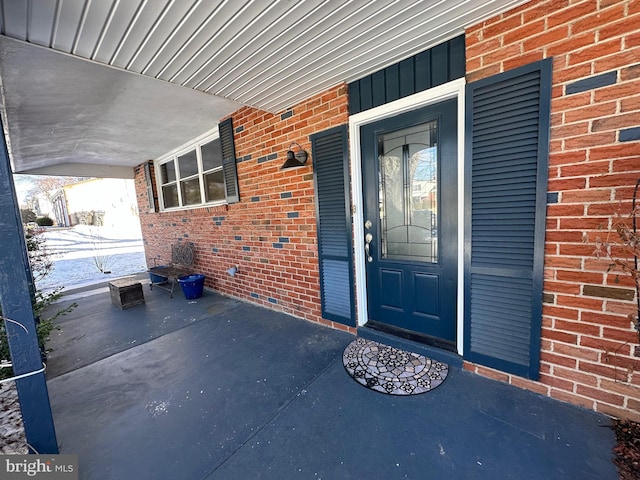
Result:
x=433 y=67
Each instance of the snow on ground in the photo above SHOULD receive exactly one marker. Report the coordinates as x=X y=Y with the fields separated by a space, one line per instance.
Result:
x=77 y=251
x=74 y=253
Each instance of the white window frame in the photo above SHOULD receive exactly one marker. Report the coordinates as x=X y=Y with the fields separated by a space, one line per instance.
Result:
x=173 y=155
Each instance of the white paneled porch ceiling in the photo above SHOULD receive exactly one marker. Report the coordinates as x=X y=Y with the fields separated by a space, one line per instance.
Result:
x=94 y=87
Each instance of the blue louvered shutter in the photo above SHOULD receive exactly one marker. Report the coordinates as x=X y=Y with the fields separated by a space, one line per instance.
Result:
x=229 y=167
x=333 y=216
x=507 y=144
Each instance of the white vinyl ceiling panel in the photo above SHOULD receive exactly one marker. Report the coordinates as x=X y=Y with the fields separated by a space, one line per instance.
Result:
x=220 y=46
x=41 y=25
x=91 y=26
x=181 y=34
x=158 y=34
x=270 y=54
x=140 y=30
x=114 y=31
x=66 y=24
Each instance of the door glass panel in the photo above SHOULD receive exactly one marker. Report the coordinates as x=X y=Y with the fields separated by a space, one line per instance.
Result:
x=409 y=193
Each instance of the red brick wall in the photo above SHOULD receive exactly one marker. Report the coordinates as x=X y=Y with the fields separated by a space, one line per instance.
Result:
x=590 y=353
x=271 y=233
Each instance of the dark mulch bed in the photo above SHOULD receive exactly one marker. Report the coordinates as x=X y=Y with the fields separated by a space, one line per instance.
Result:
x=627 y=450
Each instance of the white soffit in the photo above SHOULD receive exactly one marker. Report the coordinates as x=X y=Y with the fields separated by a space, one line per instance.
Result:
x=267 y=53
x=68 y=116
x=102 y=85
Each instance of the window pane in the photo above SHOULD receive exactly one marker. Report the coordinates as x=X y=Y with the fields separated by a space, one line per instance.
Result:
x=214 y=186
x=190 y=190
x=188 y=164
x=167 y=172
x=409 y=193
x=211 y=155
x=170 y=195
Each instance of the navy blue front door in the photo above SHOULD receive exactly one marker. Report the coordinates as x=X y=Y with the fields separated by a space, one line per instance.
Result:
x=409 y=165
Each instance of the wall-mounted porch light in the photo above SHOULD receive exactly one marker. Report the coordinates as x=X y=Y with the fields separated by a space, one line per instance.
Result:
x=295 y=159
x=233 y=270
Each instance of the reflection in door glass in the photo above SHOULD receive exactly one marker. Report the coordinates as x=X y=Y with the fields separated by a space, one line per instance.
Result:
x=409 y=193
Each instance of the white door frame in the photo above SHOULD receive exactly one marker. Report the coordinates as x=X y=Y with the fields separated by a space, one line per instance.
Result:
x=454 y=89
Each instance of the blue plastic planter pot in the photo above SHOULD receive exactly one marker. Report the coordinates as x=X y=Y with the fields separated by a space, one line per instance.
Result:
x=192 y=285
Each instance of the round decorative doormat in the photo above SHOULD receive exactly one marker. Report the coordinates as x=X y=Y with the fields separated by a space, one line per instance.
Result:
x=390 y=370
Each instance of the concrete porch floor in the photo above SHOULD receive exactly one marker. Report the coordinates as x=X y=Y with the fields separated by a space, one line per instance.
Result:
x=215 y=388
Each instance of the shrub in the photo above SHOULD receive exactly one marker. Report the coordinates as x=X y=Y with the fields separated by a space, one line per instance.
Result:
x=41 y=264
x=44 y=222
x=40 y=258
x=623 y=252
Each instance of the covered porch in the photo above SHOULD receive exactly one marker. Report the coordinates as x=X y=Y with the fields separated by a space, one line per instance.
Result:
x=201 y=102
x=98 y=88
x=217 y=388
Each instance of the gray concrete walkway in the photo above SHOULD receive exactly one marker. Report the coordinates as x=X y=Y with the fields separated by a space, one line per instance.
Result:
x=219 y=389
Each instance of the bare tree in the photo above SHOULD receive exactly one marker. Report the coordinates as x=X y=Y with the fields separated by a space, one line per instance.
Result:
x=49 y=185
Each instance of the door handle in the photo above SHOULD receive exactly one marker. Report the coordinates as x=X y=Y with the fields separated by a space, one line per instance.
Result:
x=367 y=240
